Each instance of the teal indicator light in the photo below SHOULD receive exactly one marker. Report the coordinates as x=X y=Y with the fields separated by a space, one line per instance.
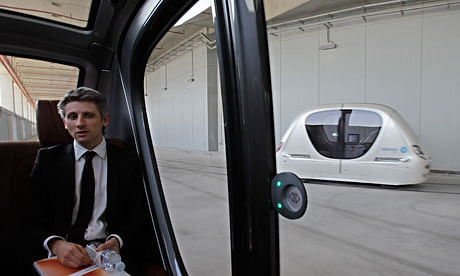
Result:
x=280 y=205
x=278 y=183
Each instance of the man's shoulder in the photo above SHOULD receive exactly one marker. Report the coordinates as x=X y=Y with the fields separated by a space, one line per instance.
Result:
x=118 y=149
x=57 y=149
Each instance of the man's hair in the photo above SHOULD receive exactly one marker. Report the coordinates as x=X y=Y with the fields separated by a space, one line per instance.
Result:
x=84 y=94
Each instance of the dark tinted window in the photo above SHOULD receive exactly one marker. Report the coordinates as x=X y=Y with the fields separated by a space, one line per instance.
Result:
x=360 y=131
x=343 y=134
x=323 y=130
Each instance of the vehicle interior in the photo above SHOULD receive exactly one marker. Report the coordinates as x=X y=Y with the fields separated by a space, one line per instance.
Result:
x=128 y=50
x=110 y=50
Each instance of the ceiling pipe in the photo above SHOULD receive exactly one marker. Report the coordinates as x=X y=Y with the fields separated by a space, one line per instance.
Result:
x=47 y=68
x=16 y=79
x=278 y=28
x=331 y=14
x=185 y=45
x=31 y=80
x=47 y=86
x=210 y=44
x=48 y=74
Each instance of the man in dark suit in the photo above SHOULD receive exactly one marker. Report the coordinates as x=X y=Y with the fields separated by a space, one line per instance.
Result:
x=88 y=190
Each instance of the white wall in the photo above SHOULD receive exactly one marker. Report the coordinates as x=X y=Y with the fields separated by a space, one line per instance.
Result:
x=410 y=62
x=178 y=116
x=212 y=102
x=17 y=101
x=440 y=91
x=6 y=94
x=17 y=116
x=342 y=69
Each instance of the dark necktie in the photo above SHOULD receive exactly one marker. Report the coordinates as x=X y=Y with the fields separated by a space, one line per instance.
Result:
x=85 y=211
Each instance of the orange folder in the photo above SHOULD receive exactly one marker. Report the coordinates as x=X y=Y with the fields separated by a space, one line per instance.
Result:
x=52 y=267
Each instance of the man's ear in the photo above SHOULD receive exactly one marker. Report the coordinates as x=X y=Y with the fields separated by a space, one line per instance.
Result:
x=63 y=121
x=106 y=120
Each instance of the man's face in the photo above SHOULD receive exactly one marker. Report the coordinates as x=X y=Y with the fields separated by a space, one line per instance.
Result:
x=84 y=123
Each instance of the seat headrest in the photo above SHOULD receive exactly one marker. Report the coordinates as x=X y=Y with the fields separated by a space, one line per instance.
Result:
x=50 y=128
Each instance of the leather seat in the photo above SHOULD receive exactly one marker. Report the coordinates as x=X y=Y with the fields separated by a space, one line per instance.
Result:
x=16 y=162
x=50 y=128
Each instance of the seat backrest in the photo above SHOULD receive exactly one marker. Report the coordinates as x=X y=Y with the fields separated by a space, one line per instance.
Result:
x=16 y=162
x=50 y=128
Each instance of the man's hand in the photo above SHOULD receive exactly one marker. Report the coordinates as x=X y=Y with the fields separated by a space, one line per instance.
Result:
x=70 y=254
x=110 y=244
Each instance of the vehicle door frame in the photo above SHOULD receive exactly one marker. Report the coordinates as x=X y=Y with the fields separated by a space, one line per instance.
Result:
x=249 y=127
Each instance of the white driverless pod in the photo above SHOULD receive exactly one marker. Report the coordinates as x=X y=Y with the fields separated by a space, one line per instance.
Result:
x=367 y=143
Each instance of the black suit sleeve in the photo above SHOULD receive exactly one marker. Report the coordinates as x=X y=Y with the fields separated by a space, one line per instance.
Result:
x=130 y=218
x=38 y=215
x=49 y=198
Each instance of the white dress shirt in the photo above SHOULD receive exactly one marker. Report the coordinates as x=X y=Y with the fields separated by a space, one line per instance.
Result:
x=97 y=226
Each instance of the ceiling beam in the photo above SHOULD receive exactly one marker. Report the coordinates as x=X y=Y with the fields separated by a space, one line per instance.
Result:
x=49 y=74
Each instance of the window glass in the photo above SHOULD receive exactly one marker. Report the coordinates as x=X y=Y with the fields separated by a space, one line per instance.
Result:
x=341 y=52
x=184 y=113
x=74 y=12
x=22 y=83
x=322 y=129
x=361 y=130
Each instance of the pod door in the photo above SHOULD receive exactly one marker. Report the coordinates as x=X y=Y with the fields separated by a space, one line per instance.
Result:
x=360 y=131
x=323 y=130
x=346 y=136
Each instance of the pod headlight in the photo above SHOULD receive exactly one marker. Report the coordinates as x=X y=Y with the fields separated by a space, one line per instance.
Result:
x=419 y=152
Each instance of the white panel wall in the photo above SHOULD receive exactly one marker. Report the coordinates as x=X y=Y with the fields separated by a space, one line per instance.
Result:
x=393 y=63
x=178 y=116
x=410 y=63
x=6 y=93
x=440 y=124
x=25 y=105
x=298 y=74
x=19 y=125
x=275 y=70
x=342 y=69
x=211 y=101
x=17 y=101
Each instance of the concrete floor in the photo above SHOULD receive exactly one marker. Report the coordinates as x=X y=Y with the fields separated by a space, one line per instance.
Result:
x=347 y=229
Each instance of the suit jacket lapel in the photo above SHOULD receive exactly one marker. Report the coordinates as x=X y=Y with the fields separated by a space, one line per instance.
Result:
x=67 y=182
